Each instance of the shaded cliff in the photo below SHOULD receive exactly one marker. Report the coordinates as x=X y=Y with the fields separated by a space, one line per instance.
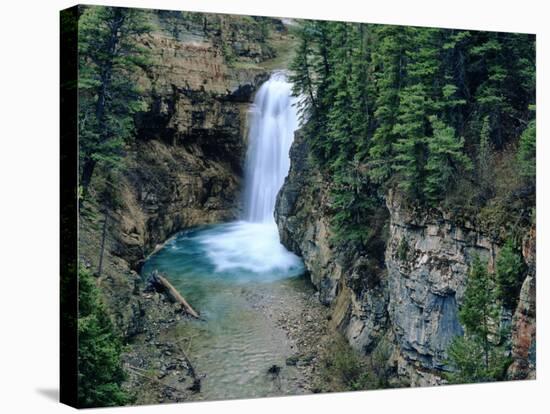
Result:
x=344 y=277
x=184 y=168
x=413 y=301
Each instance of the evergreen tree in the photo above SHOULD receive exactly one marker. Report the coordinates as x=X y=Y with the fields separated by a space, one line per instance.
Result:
x=310 y=76
x=389 y=59
x=509 y=274
x=370 y=95
x=354 y=203
x=446 y=160
x=477 y=357
x=109 y=53
x=410 y=149
x=303 y=71
x=361 y=89
x=479 y=307
x=100 y=372
x=527 y=153
x=452 y=104
x=340 y=141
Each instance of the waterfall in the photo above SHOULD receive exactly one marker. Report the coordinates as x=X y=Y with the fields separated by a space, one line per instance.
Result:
x=252 y=244
x=272 y=124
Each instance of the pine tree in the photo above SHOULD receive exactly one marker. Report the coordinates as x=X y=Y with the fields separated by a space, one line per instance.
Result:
x=484 y=157
x=479 y=305
x=527 y=153
x=510 y=270
x=446 y=160
x=410 y=149
x=302 y=72
x=340 y=141
x=389 y=59
x=100 y=372
x=109 y=54
x=310 y=74
x=361 y=89
x=476 y=356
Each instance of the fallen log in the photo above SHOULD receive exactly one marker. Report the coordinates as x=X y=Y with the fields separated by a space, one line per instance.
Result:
x=160 y=283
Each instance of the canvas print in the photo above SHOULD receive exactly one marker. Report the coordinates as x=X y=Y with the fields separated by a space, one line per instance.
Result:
x=258 y=206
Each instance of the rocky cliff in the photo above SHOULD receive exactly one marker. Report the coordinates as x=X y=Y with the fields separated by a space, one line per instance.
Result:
x=524 y=333
x=413 y=303
x=185 y=166
x=343 y=277
x=183 y=169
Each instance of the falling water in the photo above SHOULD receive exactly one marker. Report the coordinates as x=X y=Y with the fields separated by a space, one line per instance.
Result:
x=220 y=267
x=253 y=244
x=272 y=127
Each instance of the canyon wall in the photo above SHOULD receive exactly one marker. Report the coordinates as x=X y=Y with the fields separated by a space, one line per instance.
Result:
x=184 y=168
x=413 y=303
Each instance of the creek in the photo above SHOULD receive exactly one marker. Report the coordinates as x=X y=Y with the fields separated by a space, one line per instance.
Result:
x=229 y=271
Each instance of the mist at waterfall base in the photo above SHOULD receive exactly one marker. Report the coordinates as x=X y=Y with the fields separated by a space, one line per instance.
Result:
x=217 y=267
x=252 y=244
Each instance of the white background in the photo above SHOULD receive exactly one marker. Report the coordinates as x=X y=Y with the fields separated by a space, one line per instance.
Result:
x=29 y=176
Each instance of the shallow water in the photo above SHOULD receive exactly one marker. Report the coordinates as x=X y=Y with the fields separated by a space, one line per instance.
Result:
x=217 y=268
x=221 y=268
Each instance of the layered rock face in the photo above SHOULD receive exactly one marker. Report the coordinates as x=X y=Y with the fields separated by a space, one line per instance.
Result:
x=342 y=278
x=427 y=258
x=524 y=320
x=303 y=223
x=414 y=303
x=185 y=166
x=183 y=169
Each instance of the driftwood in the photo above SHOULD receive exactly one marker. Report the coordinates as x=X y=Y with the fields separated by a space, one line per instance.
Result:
x=160 y=283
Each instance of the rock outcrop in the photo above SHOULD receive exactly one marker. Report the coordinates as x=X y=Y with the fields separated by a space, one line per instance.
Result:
x=342 y=277
x=414 y=302
x=184 y=169
x=524 y=320
x=186 y=164
x=427 y=259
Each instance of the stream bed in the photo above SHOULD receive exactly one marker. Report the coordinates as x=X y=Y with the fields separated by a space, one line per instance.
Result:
x=258 y=309
x=262 y=324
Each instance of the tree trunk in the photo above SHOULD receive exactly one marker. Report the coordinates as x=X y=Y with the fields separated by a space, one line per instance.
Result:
x=160 y=282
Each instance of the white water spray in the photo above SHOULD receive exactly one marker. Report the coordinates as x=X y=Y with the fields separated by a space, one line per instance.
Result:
x=253 y=243
x=272 y=127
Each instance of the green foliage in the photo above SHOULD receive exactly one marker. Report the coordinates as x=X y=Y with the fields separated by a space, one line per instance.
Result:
x=410 y=149
x=345 y=369
x=510 y=270
x=527 y=153
x=484 y=156
x=414 y=105
x=353 y=204
x=477 y=356
x=446 y=160
x=388 y=57
x=466 y=355
x=100 y=372
x=109 y=55
x=479 y=306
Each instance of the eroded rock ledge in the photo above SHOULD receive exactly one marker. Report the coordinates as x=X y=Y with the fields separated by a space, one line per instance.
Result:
x=414 y=304
x=184 y=169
